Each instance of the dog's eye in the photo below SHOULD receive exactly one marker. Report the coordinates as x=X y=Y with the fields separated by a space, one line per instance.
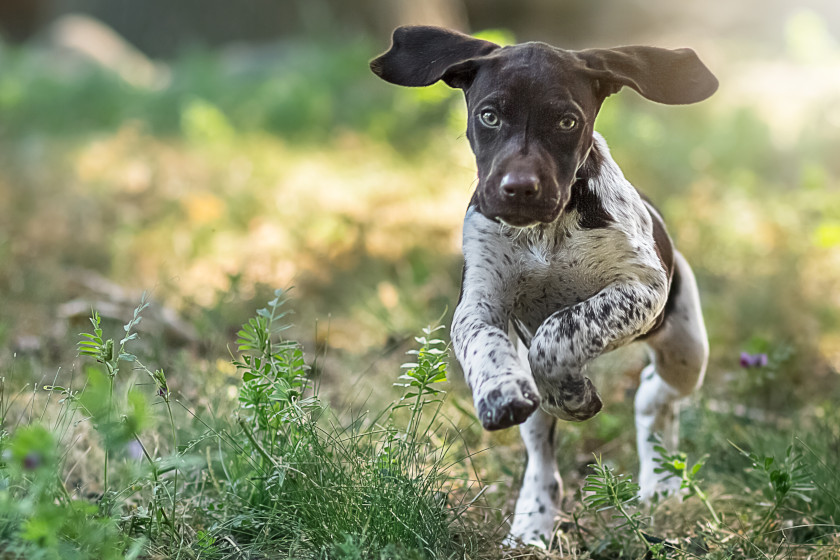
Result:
x=567 y=123
x=489 y=118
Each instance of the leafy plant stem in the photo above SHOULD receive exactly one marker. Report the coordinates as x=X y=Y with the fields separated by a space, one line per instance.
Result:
x=416 y=409
x=705 y=499
x=632 y=523
x=175 y=453
x=675 y=464
x=110 y=416
x=263 y=453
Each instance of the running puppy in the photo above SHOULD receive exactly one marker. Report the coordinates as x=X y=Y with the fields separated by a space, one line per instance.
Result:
x=559 y=245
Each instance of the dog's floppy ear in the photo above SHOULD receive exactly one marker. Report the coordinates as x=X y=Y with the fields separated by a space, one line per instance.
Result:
x=421 y=55
x=674 y=77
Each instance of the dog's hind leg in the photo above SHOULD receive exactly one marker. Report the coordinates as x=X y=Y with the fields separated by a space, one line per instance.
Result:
x=680 y=350
x=539 y=497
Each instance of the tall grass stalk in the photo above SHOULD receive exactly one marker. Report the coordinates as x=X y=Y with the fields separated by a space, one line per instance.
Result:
x=102 y=350
x=162 y=387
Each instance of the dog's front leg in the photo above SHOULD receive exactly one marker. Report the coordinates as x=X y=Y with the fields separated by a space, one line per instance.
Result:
x=571 y=337
x=503 y=390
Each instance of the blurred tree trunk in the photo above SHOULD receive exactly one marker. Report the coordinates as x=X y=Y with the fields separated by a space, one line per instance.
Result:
x=20 y=18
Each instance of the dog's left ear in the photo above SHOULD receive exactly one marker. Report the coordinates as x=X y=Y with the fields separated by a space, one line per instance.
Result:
x=421 y=55
x=674 y=77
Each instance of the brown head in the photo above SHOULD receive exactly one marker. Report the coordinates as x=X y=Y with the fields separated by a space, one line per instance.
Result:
x=532 y=106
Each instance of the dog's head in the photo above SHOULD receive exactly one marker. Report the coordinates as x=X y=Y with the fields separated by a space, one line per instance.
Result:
x=532 y=106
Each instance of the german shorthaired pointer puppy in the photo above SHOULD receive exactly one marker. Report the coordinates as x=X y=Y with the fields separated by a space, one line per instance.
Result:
x=560 y=249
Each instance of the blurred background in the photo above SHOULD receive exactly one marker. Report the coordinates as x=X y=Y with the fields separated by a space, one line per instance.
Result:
x=209 y=151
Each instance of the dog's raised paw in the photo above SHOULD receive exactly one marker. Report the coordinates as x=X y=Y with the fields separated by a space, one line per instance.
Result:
x=509 y=402
x=575 y=402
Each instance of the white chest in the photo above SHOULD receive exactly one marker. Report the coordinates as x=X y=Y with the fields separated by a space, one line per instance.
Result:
x=567 y=270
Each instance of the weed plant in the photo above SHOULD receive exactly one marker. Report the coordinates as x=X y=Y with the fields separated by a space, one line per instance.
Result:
x=783 y=523
x=304 y=484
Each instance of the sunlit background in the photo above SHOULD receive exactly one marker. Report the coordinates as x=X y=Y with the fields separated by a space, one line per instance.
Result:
x=210 y=151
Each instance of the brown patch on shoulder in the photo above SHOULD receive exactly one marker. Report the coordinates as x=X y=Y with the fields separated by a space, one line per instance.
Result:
x=665 y=251
x=662 y=241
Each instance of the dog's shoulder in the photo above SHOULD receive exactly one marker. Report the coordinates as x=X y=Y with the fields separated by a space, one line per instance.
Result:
x=622 y=197
x=662 y=240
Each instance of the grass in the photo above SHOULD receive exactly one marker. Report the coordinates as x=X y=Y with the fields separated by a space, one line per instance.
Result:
x=212 y=190
x=284 y=475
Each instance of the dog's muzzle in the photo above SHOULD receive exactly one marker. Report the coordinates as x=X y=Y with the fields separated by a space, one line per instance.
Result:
x=523 y=199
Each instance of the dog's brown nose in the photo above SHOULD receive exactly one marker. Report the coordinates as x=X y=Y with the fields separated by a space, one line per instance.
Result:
x=519 y=184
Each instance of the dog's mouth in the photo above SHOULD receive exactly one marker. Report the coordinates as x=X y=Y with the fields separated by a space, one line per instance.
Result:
x=518 y=215
x=518 y=221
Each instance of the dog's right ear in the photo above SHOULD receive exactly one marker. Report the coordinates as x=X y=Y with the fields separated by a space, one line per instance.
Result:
x=421 y=55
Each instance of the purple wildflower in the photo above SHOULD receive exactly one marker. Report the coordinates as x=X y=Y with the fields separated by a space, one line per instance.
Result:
x=32 y=461
x=753 y=360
